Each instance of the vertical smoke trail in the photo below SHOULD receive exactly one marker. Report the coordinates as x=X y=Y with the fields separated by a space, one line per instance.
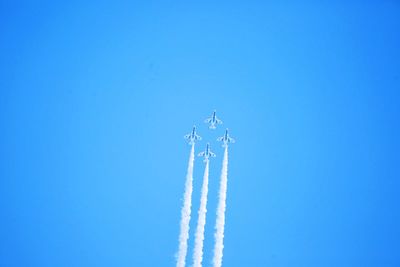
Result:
x=199 y=238
x=220 y=225
x=185 y=213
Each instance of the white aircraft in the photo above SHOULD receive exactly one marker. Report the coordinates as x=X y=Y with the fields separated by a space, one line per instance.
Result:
x=192 y=137
x=213 y=121
x=226 y=139
x=207 y=153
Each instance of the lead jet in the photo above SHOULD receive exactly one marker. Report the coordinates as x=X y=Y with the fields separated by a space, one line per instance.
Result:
x=207 y=153
x=226 y=139
x=192 y=137
x=213 y=121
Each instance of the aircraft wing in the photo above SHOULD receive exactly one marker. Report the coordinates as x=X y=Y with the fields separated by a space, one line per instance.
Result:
x=218 y=121
x=201 y=154
x=212 y=154
x=187 y=136
x=208 y=120
x=219 y=139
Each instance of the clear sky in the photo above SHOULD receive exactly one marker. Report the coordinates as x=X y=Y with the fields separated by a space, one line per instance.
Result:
x=95 y=98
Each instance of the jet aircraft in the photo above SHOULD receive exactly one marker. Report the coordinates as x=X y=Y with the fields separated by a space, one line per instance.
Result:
x=226 y=139
x=213 y=121
x=192 y=137
x=207 y=153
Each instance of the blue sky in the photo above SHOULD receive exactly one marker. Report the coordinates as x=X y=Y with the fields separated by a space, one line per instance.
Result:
x=95 y=98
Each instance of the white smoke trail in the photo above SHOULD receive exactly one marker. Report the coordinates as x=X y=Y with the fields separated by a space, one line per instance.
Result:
x=199 y=237
x=220 y=224
x=185 y=213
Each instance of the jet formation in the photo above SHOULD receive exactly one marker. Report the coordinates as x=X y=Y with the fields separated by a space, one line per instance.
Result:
x=213 y=121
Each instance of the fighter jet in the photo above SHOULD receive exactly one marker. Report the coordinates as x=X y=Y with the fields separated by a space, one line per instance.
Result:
x=226 y=139
x=207 y=153
x=213 y=121
x=192 y=137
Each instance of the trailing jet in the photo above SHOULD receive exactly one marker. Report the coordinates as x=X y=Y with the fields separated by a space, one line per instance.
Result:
x=207 y=153
x=213 y=121
x=192 y=137
x=226 y=139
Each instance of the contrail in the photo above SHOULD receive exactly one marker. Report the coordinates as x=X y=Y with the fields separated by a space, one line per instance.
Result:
x=185 y=213
x=220 y=224
x=199 y=237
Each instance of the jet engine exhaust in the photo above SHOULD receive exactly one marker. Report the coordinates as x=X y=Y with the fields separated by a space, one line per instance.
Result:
x=185 y=213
